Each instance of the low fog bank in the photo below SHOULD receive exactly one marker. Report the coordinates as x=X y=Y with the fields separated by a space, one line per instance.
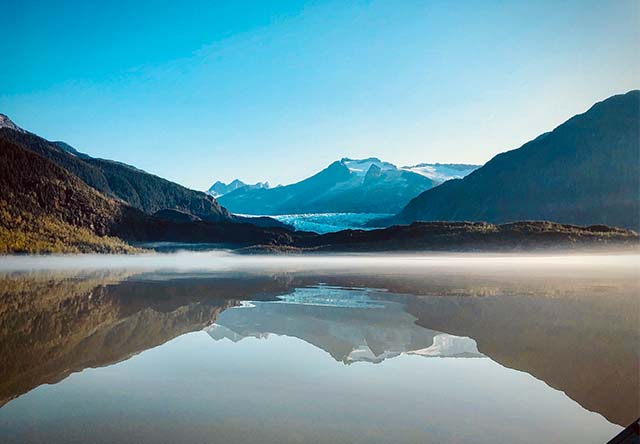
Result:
x=228 y=261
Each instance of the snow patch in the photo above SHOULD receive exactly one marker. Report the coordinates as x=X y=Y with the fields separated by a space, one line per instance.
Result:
x=441 y=172
x=361 y=166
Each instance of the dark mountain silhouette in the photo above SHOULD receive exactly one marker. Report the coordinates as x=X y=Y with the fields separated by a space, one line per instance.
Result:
x=586 y=171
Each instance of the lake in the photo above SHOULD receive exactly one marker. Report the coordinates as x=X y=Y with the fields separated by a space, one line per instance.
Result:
x=211 y=347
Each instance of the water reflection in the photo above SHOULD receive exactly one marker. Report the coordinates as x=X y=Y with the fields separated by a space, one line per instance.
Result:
x=576 y=330
x=352 y=325
x=54 y=324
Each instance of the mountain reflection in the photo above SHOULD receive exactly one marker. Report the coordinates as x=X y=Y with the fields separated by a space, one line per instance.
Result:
x=53 y=324
x=347 y=323
x=576 y=331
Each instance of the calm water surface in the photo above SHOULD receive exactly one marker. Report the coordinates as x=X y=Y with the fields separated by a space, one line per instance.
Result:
x=208 y=348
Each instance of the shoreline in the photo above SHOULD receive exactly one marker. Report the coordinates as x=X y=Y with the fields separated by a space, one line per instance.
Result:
x=418 y=237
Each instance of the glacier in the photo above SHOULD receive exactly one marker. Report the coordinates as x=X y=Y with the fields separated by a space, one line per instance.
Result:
x=329 y=222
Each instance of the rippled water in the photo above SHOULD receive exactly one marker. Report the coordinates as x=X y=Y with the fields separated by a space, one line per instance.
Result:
x=199 y=348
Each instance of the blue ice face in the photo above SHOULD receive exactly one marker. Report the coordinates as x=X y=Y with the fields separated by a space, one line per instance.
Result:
x=329 y=222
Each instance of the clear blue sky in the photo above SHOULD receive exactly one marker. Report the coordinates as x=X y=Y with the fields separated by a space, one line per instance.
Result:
x=276 y=90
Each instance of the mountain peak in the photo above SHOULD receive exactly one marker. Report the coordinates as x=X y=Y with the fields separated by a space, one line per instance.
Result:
x=6 y=122
x=220 y=188
x=368 y=159
x=361 y=166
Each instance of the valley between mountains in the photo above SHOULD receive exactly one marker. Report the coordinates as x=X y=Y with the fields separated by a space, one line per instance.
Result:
x=577 y=186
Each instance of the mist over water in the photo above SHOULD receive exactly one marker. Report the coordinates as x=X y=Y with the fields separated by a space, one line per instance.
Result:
x=228 y=261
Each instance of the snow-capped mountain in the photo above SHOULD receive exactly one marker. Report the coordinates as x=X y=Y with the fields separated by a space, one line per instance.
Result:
x=219 y=188
x=360 y=167
x=346 y=186
x=439 y=172
x=375 y=330
x=442 y=171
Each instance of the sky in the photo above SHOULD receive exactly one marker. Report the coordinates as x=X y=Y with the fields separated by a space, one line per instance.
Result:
x=276 y=90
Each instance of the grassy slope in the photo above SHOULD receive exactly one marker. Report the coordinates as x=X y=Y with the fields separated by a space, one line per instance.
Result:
x=45 y=209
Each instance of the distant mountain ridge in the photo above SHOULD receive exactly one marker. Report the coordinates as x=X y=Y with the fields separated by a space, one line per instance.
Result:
x=346 y=186
x=586 y=171
x=219 y=188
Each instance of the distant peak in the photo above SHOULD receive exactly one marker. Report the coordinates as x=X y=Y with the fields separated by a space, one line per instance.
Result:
x=220 y=188
x=6 y=122
x=360 y=167
x=441 y=172
x=368 y=159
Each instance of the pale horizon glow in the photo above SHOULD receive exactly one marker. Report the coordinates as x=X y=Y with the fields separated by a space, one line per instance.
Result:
x=277 y=91
x=624 y=260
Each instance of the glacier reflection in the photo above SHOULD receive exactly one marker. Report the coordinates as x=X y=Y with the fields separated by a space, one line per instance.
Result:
x=347 y=323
